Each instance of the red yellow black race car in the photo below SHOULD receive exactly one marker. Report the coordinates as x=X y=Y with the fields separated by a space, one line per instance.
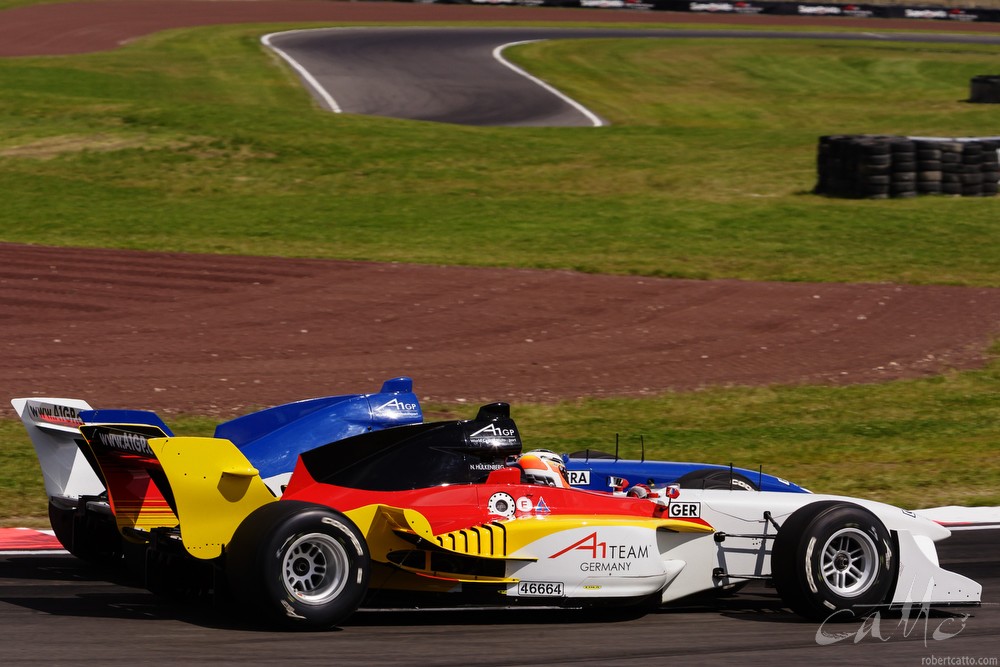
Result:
x=456 y=511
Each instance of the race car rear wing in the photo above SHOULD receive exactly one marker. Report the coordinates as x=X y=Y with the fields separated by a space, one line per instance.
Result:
x=152 y=479
x=137 y=491
x=53 y=426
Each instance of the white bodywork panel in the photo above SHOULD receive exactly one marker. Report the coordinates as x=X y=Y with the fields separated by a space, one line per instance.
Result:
x=921 y=579
x=599 y=562
x=52 y=424
x=630 y=561
x=277 y=483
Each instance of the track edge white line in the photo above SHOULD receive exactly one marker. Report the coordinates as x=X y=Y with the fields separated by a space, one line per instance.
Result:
x=326 y=97
x=594 y=119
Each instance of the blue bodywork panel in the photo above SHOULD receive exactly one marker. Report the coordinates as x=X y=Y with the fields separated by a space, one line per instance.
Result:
x=598 y=471
x=272 y=439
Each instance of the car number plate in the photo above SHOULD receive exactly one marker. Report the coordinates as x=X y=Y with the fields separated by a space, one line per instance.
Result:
x=540 y=589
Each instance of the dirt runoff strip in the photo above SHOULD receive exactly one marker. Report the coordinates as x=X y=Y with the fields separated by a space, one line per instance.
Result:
x=52 y=29
x=220 y=334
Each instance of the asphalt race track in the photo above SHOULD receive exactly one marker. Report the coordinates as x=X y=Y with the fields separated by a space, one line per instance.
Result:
x=452 y=74
x=56 y=610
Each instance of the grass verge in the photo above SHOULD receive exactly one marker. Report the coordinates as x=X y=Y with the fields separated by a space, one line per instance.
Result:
x=200 y=141
x=915 y=444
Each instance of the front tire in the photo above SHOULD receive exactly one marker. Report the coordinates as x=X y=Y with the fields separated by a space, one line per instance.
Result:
x=298 y=565
x=833 y=560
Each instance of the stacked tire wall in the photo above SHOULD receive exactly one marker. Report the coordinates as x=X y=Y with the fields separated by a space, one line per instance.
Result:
x=882 y=167
x=985 y=89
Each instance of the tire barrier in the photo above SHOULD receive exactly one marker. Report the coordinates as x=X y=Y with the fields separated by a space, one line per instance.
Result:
x=985 y=89
x=881 y=167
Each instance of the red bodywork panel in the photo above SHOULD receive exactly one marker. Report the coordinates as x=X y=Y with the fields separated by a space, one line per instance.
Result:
x=453 y=507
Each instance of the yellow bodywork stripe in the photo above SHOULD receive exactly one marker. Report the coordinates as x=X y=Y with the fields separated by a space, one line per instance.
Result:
x=524 y=531
x=381 y=525
x=214 y=488
x=387 y=528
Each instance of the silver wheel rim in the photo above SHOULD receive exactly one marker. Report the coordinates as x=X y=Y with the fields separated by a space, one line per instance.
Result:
x=315 y=568
x=848 y=562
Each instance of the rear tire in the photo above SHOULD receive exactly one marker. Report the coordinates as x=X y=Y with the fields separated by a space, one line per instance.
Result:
x=298 y=565
x=830 y=558
x=88 y=535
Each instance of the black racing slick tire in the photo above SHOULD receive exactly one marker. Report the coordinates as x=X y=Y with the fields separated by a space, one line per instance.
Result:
x=833 y=560
x=298 y=565
x=88 y=535
x=716 y=478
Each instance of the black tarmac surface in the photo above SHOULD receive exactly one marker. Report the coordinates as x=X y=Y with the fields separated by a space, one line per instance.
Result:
x=54 y=610
x=453 y=75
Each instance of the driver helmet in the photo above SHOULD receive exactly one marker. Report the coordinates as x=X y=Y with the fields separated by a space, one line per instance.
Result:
x=545 y=467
